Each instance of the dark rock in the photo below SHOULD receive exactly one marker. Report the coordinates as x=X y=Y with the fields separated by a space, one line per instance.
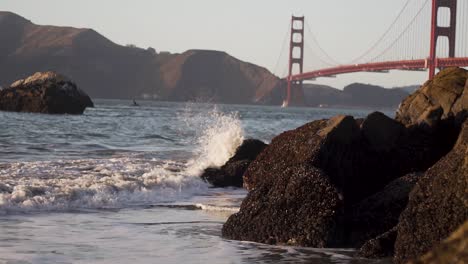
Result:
x=348 y=154
x=447 y=90
x=289 y=211
x=379 y=247
x=437 y=204
x=301 y=145
x=356 y=158
x=230 y=174
x=46 y=92
x=248 y=150
x=454 y=249
x=380 y=212
x=381 y=132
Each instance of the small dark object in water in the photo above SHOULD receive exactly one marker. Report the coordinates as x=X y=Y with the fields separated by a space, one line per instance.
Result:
x=135 y=103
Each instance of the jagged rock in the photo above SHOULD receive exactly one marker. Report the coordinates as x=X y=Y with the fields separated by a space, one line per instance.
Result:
x=454 y=249
x=349 y=154
x=437 y=204
x=447 y=90
x=381 y=132
x=230 y=174
x=44 y=92
x=289 y=211
x=380 y=212
x=356 y=159
x=379 y=247
x=302 y=145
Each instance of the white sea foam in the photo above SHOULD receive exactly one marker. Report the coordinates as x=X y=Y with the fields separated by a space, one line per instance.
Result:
x=220 y=135
x=208 y=207
x=120 y=181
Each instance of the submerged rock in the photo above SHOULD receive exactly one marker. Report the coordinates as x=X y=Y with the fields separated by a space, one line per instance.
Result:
x=44 y=92
x=230 y=174
x=437 y=204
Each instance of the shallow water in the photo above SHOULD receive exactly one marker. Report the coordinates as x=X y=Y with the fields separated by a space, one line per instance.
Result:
x=119 y=184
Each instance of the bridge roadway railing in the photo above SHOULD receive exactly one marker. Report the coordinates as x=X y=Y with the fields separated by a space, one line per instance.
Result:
x=379 y=67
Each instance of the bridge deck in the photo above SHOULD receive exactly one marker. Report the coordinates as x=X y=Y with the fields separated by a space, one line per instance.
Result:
x=380 y=66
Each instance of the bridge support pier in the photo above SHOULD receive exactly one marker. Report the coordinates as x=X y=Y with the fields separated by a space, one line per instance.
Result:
x=294 y=92
x=439 y=31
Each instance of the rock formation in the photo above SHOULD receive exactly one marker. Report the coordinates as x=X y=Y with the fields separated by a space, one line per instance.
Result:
x=330 y=160
x=444 y=97
x=437 y=205
x=344 y=182
x=44 y=92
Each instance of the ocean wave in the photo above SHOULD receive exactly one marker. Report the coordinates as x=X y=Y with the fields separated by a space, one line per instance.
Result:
x=121 y=181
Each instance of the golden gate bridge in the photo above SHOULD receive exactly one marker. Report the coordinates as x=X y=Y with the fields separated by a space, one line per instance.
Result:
x=425 y=35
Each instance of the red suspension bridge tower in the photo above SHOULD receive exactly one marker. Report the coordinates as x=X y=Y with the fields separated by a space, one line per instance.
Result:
x=294 y=93
x=437 y=31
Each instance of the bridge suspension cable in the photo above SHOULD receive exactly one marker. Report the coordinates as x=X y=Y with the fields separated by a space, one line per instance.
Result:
x=376 y=43
x=402 y=50
x=279 y=60
x=327 y=58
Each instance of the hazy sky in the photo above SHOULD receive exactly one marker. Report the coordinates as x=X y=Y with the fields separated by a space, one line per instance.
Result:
x=251 y=30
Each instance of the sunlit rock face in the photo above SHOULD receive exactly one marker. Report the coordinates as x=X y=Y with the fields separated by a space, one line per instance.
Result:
x=44 y=92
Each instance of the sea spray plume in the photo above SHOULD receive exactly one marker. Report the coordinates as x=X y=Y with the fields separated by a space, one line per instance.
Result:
x=218 y=134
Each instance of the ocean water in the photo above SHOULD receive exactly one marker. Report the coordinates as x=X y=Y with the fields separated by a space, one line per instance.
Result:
x=120 y=184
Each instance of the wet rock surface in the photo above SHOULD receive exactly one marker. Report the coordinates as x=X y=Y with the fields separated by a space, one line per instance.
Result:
x=437 y=204
x=44 y=92
x=290 y=213
x=230 y=174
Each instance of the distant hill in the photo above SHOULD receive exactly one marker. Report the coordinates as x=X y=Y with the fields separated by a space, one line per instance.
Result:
x=409 y=89
x=104 y=69
x=216 y=77
x=353 y=95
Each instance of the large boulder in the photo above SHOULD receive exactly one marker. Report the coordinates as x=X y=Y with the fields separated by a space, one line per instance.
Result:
x=454 y=249
x=353 y=159
x=290 y=211
x=230 y=174
x=437 y=205
x=350 y=152
x=44 y=92
x=443 y=97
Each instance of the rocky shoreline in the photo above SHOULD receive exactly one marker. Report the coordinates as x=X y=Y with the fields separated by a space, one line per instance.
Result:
x=396 y=188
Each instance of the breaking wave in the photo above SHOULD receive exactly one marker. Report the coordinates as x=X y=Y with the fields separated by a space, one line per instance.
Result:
x=131 y=179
